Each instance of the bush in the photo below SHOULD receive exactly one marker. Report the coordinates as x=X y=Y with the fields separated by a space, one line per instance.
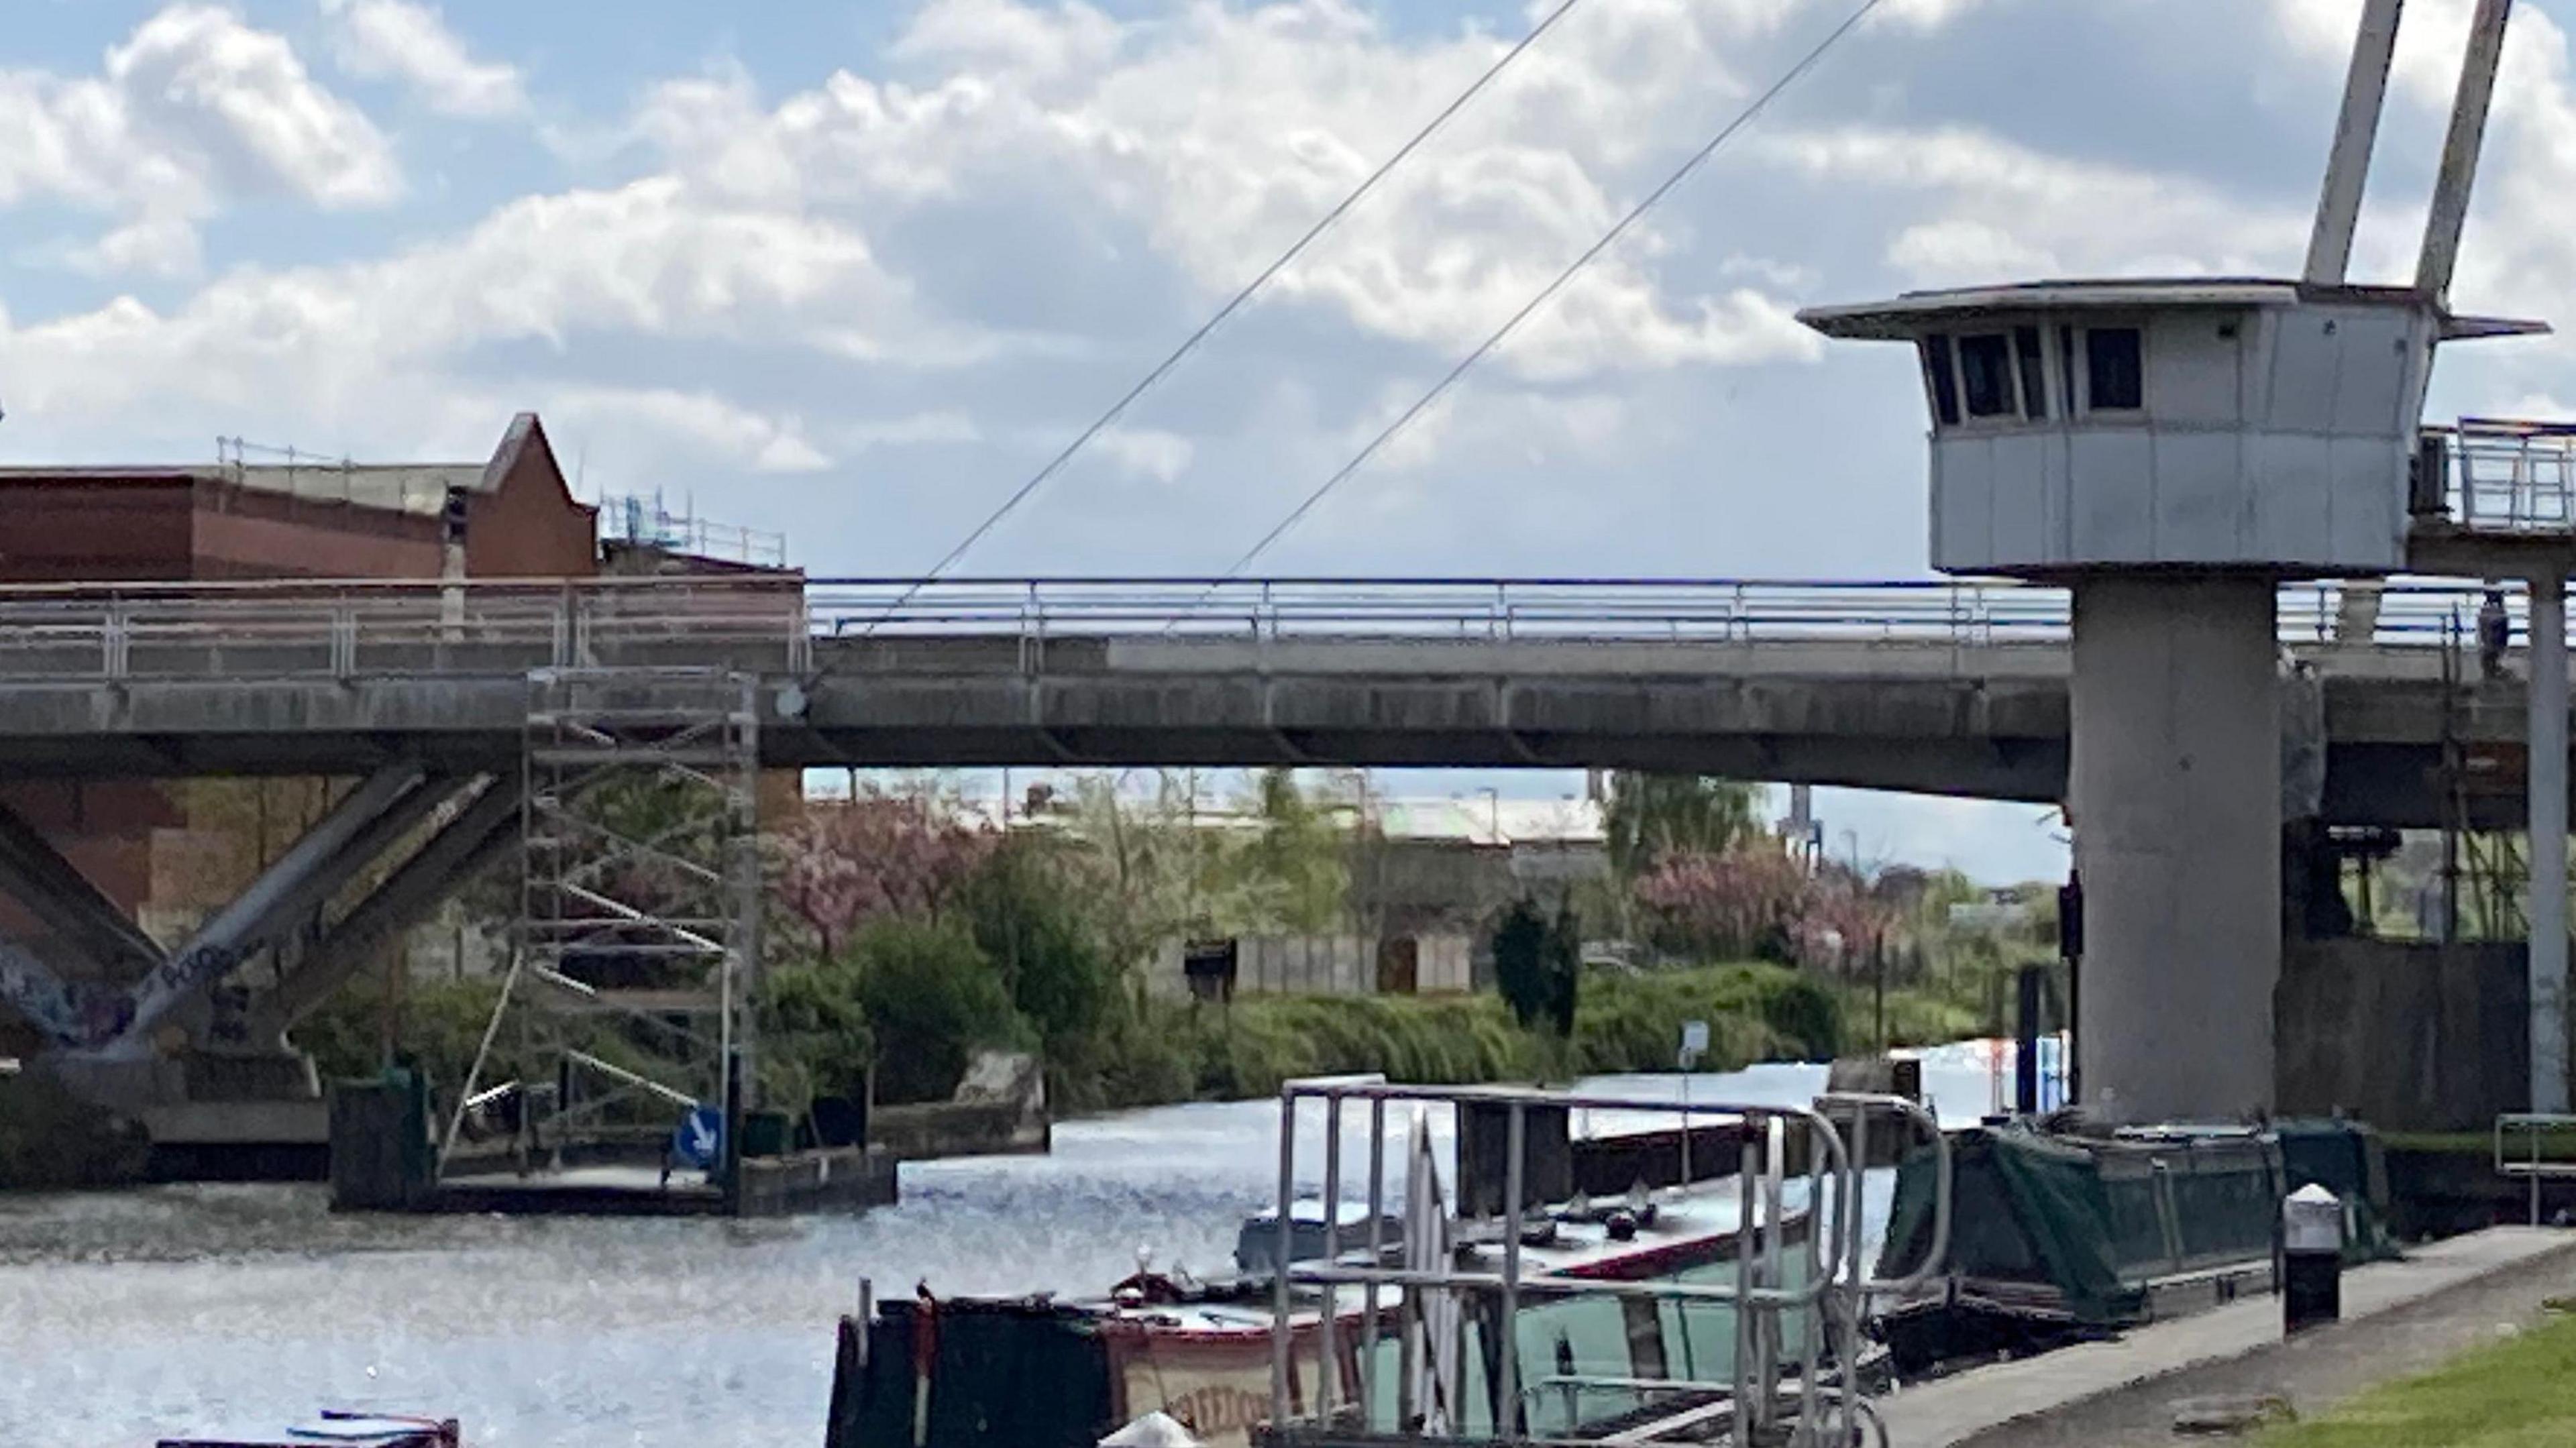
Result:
x=437 y=1025
x=934 y=998
x=1248 y=1049
x=814 y=1035
x=1754 y=1013
x=1805 y=1019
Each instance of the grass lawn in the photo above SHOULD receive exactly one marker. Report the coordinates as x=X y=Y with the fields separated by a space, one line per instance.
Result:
x=2517 y=1393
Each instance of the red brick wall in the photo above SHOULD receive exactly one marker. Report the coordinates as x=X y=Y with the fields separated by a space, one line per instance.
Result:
x=104 y=828
x=530 y=527
x=244 y=533
x=66 y=531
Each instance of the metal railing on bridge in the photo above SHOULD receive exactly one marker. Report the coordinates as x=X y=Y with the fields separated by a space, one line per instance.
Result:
x=369 y=628
x=2507 y=476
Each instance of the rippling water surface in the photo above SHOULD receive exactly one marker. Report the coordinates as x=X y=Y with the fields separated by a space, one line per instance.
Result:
x=128 y=1316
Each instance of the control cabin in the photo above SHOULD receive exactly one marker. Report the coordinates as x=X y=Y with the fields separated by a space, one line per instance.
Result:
x=2210 y=424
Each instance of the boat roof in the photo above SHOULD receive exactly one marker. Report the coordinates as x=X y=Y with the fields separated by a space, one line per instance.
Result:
x=1578 y=1249
x=347 y=1430
x=1909 y=315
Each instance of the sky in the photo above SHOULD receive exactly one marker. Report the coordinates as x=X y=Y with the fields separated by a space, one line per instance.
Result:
x=852 y=271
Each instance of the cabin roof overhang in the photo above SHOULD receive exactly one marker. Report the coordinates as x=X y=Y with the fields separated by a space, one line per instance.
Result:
x=1915 y=313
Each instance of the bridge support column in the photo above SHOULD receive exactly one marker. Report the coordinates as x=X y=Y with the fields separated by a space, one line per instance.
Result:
x=57 y=893
x=358 y=830
x=2175 y=794
x=2548 y=786
x=479 y=832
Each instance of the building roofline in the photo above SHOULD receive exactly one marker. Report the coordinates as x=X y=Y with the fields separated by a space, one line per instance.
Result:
x=1907 y=316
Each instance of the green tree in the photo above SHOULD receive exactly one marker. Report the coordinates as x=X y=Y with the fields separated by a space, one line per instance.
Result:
x=1536 y=962
x=814 y=1033
x=931 y=999
x=1025 y=912
x=1294 y=873
x=1650 y=816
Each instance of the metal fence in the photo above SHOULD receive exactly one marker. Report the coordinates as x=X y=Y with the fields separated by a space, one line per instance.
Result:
x=268 y=630
x=2506 y=476
x=1795 y=1324
x=2545 y=1137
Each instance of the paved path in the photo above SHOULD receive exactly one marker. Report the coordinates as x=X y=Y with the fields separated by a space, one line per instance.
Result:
x=2399 y=1318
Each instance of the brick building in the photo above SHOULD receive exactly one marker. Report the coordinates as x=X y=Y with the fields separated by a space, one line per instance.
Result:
x=233 y=519
x=167 y=852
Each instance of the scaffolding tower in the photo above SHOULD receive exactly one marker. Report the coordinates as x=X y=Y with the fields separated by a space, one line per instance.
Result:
x=627 y=1023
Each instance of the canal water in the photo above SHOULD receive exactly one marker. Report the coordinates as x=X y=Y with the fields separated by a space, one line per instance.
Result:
x=128 y=1316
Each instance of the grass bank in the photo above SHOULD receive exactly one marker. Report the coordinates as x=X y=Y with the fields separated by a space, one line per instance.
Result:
x=2521 y=1391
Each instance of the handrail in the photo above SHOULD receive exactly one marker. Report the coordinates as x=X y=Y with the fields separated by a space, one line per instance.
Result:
x=1827 y=1300
x=347 y=628
x=2535 y=1124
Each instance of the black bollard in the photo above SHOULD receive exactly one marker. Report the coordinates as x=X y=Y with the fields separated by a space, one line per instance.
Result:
x=2311 y=1259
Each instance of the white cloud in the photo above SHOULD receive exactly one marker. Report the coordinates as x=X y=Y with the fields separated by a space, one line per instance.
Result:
x=702 y=425
x=1149 y=453
x=1223 y=133
x=196 y=72
x=411 y=43
x=2007 y=210
x=639 y=261
x=157 y=246
x=192 y=110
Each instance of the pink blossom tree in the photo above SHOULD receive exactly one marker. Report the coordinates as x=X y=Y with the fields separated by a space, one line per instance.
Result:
x=880 y=854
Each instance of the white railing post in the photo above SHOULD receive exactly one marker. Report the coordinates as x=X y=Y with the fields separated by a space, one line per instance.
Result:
x=344 y=641
x=113 y=641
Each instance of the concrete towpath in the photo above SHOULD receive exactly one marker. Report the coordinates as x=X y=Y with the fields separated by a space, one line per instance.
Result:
x=2399 y=1318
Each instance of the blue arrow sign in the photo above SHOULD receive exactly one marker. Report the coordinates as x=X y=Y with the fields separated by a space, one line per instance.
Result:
x=699 y=1140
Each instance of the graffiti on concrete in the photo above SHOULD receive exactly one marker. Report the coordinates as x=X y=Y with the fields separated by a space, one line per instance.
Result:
x=77 y=1015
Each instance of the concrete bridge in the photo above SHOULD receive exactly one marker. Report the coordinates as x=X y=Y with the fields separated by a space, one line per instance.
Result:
x=431 y=694
x=1940 y=688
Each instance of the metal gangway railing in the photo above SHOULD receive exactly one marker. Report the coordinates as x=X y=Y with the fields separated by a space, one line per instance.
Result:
x=339 y=630
x=2508 y=476
x=2532 y=1164
x=1793 y=1376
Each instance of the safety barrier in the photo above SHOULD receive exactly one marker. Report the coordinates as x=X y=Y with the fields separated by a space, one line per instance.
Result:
x=340 y=630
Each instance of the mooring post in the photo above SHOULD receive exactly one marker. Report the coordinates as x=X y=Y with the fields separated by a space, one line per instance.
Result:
x=2311 y=1259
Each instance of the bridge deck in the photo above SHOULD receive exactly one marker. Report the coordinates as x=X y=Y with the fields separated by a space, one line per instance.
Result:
x=1942 y=688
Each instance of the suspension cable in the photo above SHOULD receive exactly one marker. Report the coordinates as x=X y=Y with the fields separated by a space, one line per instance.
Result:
x=1548 y=293
x=1190 y=344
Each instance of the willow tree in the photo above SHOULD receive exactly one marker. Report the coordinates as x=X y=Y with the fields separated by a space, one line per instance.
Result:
x=1653 y=816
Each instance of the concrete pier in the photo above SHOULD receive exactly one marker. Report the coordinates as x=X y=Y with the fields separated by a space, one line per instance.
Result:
x=2174 y=792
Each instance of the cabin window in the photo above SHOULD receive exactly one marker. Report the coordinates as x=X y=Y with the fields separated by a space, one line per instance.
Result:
x=2115 y=369
x=2034 y=376
x=2067 y=376
x=1985 y=375
x=1938 y=374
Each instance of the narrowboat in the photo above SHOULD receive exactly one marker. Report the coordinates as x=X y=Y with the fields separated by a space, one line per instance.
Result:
x=2059 y=1236
x=1035 y=1372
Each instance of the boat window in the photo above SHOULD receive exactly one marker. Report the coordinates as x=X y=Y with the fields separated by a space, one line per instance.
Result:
x=2034 y=376
x=2066 y=373
x=2115 y=369
x=1985 y=375
x=1938 y=374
